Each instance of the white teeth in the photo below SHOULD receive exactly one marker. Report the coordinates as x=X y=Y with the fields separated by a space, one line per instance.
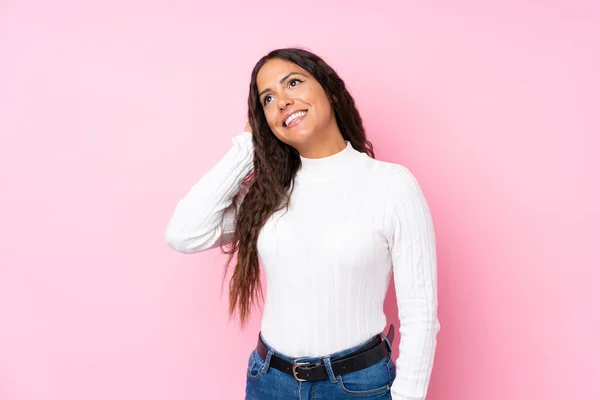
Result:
x=294 y=116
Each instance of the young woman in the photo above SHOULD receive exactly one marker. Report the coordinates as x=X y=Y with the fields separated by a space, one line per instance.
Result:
x=301 y=190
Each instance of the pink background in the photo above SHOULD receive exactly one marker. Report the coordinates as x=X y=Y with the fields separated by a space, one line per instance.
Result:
x=110 y=110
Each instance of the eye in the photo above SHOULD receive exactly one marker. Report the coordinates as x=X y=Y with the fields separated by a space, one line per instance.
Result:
x=294 y=82
x=267 y=99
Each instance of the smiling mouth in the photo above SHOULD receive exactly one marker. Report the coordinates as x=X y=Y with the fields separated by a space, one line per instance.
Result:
x=294 y=119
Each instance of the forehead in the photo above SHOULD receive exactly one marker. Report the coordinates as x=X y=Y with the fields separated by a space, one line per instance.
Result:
x=271 y=73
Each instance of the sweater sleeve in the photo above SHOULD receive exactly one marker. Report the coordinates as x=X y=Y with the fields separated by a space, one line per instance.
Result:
x=202 y=217
x=413 y=250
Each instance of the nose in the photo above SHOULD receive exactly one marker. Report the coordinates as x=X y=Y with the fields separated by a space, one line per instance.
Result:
x=284 y=101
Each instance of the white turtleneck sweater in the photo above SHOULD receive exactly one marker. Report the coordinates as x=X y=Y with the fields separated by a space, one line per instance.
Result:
x=329 y=258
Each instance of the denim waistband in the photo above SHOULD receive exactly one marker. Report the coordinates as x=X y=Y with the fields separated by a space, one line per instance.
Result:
x=332 y=356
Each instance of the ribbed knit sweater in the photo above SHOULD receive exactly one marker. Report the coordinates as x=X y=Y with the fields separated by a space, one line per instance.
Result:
x=329 y=258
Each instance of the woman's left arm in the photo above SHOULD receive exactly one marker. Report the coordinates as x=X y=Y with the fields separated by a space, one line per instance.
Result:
x=412 y=245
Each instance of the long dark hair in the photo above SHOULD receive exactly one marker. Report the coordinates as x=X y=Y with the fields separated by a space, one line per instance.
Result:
x=267 y=188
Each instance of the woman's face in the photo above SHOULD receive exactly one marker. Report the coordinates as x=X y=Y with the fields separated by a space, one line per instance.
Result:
x=295 y=105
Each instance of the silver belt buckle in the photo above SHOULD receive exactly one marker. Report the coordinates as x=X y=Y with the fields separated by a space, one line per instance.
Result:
x=294 y=366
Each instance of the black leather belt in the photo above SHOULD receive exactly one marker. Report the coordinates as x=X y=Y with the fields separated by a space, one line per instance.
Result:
x=367 y=355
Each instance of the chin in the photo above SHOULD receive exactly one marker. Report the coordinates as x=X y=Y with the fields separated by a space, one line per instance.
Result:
x=298 y=137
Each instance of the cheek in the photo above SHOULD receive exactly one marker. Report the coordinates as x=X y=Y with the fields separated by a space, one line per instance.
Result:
x=323 y=112
x=322 y=108
x=271 y=118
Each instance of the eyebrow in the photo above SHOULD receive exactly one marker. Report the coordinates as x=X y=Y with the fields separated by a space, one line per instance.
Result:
x=280 y=81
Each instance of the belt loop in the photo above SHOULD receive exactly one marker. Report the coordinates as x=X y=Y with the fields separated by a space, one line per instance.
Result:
x=267 y=364
x=332 y=377
x=389 y=338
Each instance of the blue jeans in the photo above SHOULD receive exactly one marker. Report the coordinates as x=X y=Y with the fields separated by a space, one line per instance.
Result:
x=374 y=382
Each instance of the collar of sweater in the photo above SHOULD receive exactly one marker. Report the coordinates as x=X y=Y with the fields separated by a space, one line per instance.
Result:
x=331 y=167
